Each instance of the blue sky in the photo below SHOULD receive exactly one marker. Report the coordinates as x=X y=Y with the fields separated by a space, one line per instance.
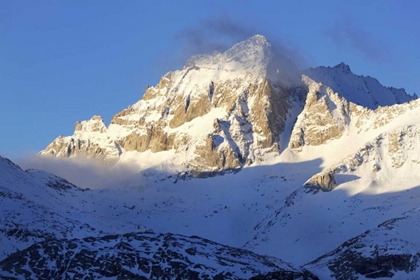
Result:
x=63 y=61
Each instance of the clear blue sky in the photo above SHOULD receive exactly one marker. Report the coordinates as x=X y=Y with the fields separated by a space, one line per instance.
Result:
x=62 y=61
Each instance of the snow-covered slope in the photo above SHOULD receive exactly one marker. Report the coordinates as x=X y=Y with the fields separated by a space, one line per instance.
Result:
x=46 y=210
x=390 y=250
x=36 y=205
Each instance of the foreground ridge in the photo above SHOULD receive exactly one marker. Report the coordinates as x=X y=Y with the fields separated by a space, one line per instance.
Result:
x=143 y=255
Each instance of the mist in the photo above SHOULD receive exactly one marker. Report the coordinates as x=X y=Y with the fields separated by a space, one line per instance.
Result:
x=345 y=32
x=82 y=172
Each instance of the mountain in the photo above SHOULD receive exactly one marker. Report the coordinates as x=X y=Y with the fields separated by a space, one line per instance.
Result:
x=328 y=161
x=220 y=112
x=143 y=255
x=225 y=111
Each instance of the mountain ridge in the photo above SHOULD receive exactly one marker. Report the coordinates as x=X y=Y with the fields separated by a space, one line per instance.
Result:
x=365 y=90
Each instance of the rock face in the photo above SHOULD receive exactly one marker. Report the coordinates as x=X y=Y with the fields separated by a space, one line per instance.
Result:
x=143 y=255
x=323 y=181
x=305 y=275
x=336 y=99
x=324 y=117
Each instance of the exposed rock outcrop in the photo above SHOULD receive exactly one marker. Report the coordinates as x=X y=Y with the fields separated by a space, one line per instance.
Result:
x=324 y=181
x=324 y=117
x=90 y=139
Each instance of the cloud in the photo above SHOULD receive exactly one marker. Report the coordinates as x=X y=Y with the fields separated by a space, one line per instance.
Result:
x=215 y=34
x=345 y=32
x=222 y=32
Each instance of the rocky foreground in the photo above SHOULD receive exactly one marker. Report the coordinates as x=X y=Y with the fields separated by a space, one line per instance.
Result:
x=143 y=255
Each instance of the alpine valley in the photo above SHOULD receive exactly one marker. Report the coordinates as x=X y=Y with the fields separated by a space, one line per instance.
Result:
x=245 y=167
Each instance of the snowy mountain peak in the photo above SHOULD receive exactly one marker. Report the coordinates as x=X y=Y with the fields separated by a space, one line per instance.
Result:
x=251 y=55
x=339 y=68
x=257 y=43
x=258 y=38
x=254 y=58
x=361 y=90
x=6 y=163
